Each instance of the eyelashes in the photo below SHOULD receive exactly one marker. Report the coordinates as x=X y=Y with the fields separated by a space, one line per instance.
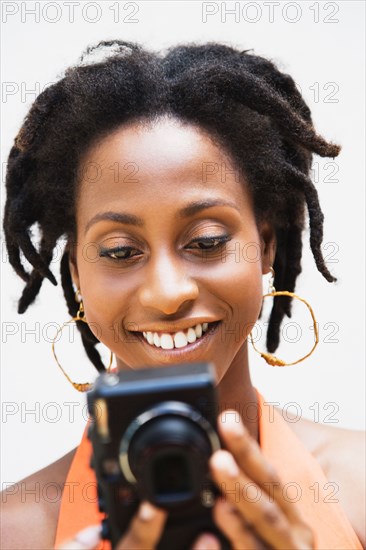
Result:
x=206 y=241
x=119 y=253
x=123 y=253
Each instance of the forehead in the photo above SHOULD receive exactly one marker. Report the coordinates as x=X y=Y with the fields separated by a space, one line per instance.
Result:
x=161 y=162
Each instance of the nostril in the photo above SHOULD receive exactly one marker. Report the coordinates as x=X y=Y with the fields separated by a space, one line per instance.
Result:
x=171 y=297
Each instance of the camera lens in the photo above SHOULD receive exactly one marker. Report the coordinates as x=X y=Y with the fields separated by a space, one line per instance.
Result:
x=167 y=457
x=168 y=454
x=170 y=474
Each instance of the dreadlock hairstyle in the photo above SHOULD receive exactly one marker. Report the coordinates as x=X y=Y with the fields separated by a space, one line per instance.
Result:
x=252 y=110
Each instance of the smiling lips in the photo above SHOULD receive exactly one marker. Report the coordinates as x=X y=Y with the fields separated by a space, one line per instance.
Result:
x=178 y=339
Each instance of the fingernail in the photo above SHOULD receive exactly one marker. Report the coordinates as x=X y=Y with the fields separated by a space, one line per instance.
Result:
x=89 y=537
x=147 y=512
x=207 y=542
x=223 y=460
x=233 y=421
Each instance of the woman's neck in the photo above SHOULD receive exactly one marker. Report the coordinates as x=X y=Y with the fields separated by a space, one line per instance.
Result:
x=235 y=391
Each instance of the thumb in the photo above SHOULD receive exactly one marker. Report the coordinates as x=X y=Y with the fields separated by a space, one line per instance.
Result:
x=87 y=539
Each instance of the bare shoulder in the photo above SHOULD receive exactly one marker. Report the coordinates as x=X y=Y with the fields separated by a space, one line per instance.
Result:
x=342 y=455
x=30 y=507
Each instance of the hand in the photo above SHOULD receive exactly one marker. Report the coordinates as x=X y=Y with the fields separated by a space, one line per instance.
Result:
x=144 y=533
x=145 y=530
x=267 y=521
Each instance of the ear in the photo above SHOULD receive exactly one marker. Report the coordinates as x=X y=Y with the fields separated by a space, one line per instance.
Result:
x=268 y=245
x=71 y=248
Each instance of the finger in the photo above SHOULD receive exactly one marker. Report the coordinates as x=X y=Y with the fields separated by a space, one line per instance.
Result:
x=254 y=505
x=251 y=461
x=87 y=539
x=145 y=528
x=206 y=541
x=230 y=522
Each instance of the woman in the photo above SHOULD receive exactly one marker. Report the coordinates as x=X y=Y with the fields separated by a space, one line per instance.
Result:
x=157 y=169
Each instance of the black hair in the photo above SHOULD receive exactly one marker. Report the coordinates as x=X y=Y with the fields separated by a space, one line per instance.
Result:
x=242 y=100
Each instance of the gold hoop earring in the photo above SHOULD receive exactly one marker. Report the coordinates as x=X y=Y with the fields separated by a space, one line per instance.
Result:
x=268 y=357
x=80 y=316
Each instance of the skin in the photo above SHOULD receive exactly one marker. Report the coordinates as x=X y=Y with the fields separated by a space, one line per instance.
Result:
x=169 y=281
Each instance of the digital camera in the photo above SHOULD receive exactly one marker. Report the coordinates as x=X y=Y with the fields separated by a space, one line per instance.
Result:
x=153 y=431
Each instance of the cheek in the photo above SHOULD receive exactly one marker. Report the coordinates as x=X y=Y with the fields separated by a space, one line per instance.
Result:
x=249 y=306
x=249 y=290
x=103 y=299
x=242 y=290
x=239 y=278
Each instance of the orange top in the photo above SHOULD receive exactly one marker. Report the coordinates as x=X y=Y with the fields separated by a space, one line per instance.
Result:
x=304 y=480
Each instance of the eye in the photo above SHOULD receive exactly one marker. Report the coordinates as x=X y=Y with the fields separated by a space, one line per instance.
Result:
x=211 y=243
x=118 y=253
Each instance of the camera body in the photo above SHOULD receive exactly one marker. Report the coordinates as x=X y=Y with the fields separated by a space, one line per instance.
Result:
x=153 y=431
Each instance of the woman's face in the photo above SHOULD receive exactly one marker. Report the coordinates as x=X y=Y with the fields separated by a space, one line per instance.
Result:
x=151 y=199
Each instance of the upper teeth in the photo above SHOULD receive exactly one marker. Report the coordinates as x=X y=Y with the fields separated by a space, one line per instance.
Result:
x=177 y=339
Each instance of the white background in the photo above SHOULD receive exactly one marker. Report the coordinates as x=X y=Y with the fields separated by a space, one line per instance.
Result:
x=321 y=44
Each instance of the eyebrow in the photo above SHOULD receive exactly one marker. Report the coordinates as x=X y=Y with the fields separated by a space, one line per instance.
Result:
x=120 y=217
x=130 y=219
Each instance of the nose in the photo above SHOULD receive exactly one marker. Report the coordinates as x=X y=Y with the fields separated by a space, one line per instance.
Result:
x=167 y=286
